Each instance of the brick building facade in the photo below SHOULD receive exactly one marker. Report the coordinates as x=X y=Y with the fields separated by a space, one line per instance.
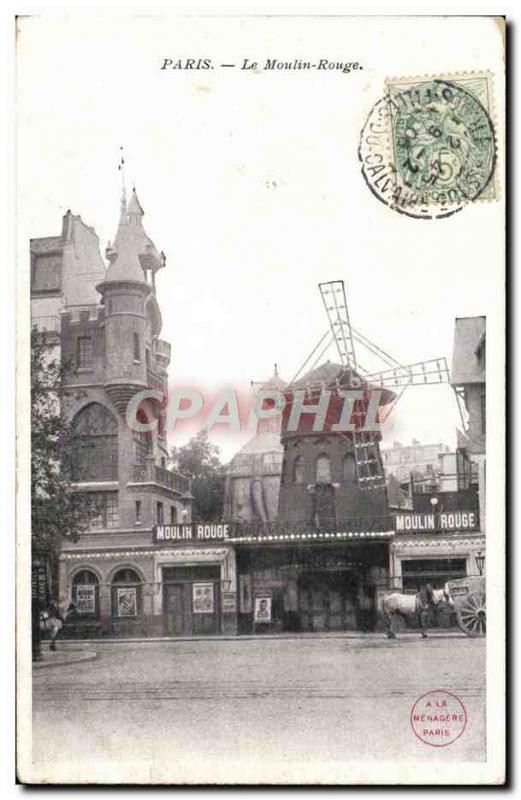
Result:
x=106 y=322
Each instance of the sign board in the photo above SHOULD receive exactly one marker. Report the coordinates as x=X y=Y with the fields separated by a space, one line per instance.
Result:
x=229 y=602
x=86 y=598
x=193 y=532
x=435 y=523
x=40 y=582
x=262 y=611
x=202 y=598
x=127 y=602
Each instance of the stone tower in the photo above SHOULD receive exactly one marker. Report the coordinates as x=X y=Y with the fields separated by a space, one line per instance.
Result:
x=322 y=485
x=132 y=317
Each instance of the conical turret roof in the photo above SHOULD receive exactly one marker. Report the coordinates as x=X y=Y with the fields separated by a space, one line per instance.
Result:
x=132 y=251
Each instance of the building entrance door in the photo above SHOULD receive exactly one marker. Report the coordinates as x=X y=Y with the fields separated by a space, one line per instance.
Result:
x=192 y=600
x=177 y=601
x=327 y=601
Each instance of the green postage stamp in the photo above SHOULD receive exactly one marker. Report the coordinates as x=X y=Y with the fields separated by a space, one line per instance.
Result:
x=428 y=147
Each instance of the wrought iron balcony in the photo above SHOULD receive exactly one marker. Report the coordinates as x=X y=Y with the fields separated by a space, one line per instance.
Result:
x=156 y=381
x=162 y=350
x=151 y=473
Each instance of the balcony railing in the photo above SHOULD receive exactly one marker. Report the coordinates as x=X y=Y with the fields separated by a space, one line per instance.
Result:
x=163 y=349
x=156 y=381
x=151 y=473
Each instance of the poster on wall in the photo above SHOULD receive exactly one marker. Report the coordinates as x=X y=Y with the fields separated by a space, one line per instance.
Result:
x=245 y=594
x=262 y=609
x=127 y=602
x=202 y=598
x=86 y=599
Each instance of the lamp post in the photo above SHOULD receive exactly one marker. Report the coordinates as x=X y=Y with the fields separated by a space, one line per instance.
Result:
x=480 y=562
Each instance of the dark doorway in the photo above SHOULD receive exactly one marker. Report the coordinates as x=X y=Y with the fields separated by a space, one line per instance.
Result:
x=177 y=609
x=327 y=601
x=191 y=600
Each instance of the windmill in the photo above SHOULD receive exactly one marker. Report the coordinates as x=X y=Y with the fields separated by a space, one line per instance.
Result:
x=392 y=379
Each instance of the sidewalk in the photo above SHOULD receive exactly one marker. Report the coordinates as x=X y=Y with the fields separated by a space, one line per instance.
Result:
x=434 y=633
x=64 y=655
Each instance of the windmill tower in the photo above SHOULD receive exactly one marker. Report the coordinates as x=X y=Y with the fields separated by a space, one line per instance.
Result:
x=331 y=476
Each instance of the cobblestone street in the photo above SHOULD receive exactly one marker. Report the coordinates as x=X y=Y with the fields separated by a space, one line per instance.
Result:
x=189 y=709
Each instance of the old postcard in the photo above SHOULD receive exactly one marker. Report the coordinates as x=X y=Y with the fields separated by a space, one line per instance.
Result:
x=261 y=399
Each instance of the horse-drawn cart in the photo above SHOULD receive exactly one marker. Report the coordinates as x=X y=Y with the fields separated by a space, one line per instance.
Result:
x=470 y=604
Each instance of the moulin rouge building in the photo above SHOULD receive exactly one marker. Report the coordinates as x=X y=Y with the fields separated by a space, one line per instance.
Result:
x=308 y=542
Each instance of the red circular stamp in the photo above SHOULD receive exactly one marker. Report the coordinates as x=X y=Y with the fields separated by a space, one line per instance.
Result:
x=438 y=718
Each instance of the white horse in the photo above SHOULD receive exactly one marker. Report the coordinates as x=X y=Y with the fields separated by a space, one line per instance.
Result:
x=443 y=596
x=53 y=619
x=397 y=604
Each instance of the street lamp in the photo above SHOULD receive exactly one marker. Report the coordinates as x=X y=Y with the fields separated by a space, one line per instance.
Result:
x=434 y=502
x=480 y=562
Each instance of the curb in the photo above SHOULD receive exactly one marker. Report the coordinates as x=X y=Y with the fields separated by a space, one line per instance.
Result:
x=367 y=637
x=63 y=662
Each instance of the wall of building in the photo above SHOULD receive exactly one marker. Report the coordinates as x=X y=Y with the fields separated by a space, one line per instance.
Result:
x=296 y=501
x=476 y=432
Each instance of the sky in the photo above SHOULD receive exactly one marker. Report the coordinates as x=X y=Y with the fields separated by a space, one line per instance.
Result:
x=251 y=186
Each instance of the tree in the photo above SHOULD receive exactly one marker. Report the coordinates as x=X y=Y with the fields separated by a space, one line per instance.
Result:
x=57 y=512
x=201 y=459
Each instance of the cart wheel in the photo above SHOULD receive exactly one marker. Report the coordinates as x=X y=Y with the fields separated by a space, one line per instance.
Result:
x=472 y=615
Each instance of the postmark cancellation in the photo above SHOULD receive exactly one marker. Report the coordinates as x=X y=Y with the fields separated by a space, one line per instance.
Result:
x=428 y=146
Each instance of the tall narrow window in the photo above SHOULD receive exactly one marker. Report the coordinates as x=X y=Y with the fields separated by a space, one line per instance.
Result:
x=173 y=515
x=348 y=468
x=137 y=350
x=323 y=473
x=143 y=444
x=160 y=516
x=84 y=351
x=138 y=510
x=298 y=470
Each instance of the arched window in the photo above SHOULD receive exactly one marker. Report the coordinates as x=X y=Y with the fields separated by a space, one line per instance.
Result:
x=348 y=468
x=298 y=470
x=127 y=591
x=95 y=445
x=323 y=471
x=85 y=593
